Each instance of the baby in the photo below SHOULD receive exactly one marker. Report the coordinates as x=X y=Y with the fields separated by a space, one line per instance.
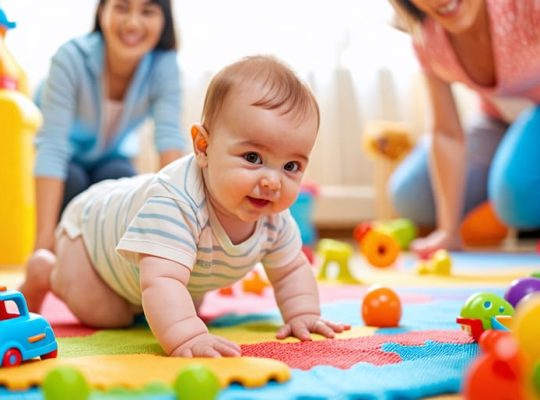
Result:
x=157 y=243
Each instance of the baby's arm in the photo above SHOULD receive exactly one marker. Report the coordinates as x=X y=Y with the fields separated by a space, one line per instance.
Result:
x=298 y=300
x=171 y=314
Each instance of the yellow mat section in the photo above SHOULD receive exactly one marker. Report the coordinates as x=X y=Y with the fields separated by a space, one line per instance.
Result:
x=397 y=278
x=251 y=333
x=135 y=371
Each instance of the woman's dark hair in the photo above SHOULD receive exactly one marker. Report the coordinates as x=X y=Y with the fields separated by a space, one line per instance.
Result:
x=167 y=41
x=410 y=9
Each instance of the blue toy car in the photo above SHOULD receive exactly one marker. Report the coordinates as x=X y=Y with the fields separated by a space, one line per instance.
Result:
x=23 y=335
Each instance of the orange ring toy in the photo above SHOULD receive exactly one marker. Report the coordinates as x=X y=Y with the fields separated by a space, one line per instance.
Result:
x=380 y=249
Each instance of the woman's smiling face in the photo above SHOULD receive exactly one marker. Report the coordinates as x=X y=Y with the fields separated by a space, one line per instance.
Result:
x=131 y=28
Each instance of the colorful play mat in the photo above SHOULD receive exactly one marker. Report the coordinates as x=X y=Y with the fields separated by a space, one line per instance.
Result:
x=427 y=355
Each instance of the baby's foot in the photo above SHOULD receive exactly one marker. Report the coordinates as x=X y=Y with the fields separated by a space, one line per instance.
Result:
x=37 y=280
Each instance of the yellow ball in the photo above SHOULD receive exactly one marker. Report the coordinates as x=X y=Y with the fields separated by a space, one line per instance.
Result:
x=526 y=326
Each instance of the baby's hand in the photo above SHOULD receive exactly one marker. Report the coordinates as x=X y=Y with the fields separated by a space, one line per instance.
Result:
x=302 y=325
x=208 y=345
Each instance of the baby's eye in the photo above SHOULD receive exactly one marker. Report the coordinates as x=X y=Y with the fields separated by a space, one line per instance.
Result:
x=292 y=166
x=253 y=158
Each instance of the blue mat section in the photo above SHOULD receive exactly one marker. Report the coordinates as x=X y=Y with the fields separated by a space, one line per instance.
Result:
x=432 y=315
x=427 y=370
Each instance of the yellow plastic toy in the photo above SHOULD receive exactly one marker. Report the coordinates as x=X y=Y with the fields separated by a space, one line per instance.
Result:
x=334 y=251
x=439 y=264
x=19 y=119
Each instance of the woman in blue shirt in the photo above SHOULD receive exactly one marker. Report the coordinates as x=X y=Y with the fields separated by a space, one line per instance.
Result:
x=100 y=88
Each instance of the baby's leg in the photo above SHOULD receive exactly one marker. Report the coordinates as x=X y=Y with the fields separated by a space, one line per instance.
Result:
x=75 y=281
x=37 y=279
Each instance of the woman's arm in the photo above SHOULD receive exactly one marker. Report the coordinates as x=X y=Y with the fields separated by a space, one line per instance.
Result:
x=166 y=109
x=447 y=167
x=49 y=195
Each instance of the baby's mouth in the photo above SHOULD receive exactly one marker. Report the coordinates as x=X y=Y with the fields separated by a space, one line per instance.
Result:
x=260 y=203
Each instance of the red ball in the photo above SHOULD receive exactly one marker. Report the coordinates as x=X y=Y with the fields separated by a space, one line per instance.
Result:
x=381 y=307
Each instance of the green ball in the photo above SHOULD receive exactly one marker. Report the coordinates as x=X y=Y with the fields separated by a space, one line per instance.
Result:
x=196 y=382
x=536 y=274
x=65 y=383
x=536 y=377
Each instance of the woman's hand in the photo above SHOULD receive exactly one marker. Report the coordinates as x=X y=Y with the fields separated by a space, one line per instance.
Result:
x=439 y=239
x=302 y=325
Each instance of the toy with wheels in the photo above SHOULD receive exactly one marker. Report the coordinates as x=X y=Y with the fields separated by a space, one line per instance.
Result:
x=23 y=335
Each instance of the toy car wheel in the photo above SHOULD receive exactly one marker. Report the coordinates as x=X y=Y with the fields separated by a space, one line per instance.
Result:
x=11 y=358
x=52 y=354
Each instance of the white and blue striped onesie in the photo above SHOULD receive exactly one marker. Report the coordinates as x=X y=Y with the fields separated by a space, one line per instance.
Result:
x=167 y=215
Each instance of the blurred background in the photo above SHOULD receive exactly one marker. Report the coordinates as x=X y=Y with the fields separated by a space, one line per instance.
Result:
x=361 y=69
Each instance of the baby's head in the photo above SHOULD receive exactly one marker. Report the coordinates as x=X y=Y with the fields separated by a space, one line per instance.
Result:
x=259 y=125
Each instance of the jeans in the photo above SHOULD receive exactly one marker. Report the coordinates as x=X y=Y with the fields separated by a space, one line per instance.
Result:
x=502 y=166
x=79 y=178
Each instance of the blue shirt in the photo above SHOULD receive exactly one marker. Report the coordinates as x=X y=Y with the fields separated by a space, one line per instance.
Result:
x=72 y=105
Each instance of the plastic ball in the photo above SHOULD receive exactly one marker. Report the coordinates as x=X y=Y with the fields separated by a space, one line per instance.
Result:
x=380 y=249
x=525 y=326
x=489 y=338
x=65 y=382
x=381 y=307
x=536 y=377
x=497 y=373
x=196 y=382
x=481 y=227
x=519 y=288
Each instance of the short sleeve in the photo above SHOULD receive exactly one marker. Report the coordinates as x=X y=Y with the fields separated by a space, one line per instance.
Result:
x=286 y=245
x=163 y=227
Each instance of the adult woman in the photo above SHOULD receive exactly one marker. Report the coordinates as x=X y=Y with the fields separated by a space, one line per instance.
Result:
x=99 y=90
x=493 y=47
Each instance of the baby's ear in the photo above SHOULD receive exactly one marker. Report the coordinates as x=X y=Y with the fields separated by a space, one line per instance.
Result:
x=199 y=137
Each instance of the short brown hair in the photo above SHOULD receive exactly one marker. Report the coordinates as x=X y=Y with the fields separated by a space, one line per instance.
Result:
x=281 y=88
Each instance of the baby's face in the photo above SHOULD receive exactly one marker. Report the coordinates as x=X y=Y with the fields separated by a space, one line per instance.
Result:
x=256 y=158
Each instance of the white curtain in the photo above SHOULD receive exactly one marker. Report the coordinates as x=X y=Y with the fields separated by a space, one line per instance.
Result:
x=359 y=67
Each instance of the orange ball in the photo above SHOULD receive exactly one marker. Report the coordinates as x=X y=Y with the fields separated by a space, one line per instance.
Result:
x=482 y=227
x=381 y=307
x=380 y=249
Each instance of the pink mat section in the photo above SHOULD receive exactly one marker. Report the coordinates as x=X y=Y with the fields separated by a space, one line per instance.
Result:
x=215 y=305
x=344 y=353
x=62 y=320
